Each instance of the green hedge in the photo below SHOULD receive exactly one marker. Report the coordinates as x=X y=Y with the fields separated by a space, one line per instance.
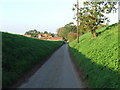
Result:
x=20 y=54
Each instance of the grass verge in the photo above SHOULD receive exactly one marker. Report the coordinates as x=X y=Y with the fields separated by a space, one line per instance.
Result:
x=99 y=57
x=20 y=54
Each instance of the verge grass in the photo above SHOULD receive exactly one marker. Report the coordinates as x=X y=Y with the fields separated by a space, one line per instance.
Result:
x=20 y=54
x=99 y=57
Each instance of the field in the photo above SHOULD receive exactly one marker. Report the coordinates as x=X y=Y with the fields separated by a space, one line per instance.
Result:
x=20 y=54
x=99 y=57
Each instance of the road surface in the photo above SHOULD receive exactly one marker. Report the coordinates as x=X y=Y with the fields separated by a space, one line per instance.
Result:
x=57 y=72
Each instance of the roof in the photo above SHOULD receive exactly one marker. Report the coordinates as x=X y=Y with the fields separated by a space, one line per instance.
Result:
x=27 y=35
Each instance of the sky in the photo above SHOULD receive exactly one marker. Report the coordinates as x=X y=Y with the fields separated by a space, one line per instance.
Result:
x=19 y=16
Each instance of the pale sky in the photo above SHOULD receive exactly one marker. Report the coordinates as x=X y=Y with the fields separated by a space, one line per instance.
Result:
x=19 y=16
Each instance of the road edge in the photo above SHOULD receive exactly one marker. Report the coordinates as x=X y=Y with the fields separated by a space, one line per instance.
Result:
x=79 y=71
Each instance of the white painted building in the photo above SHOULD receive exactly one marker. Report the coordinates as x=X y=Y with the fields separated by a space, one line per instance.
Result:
x=39 y=36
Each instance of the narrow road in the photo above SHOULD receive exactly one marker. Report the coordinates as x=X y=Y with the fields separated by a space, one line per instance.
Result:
x=57 y=72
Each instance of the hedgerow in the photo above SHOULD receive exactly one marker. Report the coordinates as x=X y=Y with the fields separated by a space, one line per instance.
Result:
x=99 y=57
x=20 y=54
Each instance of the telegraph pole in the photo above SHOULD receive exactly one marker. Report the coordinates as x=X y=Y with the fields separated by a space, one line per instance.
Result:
x=77 y=6
x=119 y=11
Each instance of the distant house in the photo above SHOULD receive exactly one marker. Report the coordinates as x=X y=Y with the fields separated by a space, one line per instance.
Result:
x=49 y=36
x=55 y=39
x=46 y=37
x=39 y=36
x=27 y=35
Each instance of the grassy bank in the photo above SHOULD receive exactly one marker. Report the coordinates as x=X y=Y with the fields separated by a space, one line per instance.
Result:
x=20 y=54
x=99 y=57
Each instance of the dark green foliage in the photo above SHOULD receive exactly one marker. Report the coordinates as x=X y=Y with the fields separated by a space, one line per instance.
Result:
x=45 y=32
x=99 y=57
x=20 y=54
x=65 y=31
x=33 y=33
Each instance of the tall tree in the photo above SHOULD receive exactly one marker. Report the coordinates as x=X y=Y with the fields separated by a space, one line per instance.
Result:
x=71 y=36
x=64 y=31
x=91 y=16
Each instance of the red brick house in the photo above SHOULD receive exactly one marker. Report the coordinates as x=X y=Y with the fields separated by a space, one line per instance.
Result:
x=27 y=35
x=46 y=37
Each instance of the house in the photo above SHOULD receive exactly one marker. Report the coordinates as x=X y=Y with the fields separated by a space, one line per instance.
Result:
x=55 y=39
x=46 y=37
x=39 y=36
x=42 y=35
x=27 y=35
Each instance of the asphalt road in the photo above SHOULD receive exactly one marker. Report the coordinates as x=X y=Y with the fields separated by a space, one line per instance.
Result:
x=57 y=72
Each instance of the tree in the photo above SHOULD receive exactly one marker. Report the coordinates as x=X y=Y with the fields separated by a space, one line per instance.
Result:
x=45 y=32
x=49 y=34
x=91 y=16
x=71 y=36
x=33 y=33
x=60 y=32
x=52 y=34
x=64 y=31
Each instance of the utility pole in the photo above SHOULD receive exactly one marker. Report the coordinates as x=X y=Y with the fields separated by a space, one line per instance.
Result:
x=119 y=11
x=77 y=6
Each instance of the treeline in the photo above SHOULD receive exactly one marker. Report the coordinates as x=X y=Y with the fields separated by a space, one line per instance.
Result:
x=35 y=33
x=68 y=32
x=91 y=17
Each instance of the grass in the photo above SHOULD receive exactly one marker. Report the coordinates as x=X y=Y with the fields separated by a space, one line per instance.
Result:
x=99 y=57
x=20 y=54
